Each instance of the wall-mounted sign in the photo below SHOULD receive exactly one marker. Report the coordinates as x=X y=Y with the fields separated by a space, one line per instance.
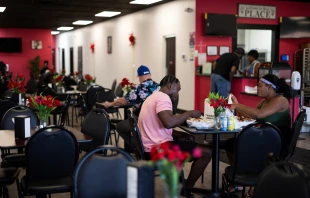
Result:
x=257 y=11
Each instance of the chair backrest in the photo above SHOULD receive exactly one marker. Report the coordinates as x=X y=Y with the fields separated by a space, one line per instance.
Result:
x=31 y=86
x=91 y=95
x=64 y=114
x=68 y=82
x=97 y=125
x=7 y=122
x=282 y=179
x=136 y=136
x=119 y=91
x=51 y=155
x=98 y=175
x=5 y=105
x=46 y=90
x=295 y=131
x=82 y=86
x=81 y=101
x=8 y=94
x=113 y=87
x=253 y=144
x=108 y=95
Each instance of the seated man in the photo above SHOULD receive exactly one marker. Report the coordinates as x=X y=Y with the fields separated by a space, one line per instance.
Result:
x=156 y=123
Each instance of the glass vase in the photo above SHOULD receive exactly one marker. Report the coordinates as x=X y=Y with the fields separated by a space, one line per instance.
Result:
x=43 y=121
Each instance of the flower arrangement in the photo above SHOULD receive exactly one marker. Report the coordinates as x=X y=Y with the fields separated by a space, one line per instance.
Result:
x=44 y=104
x=89 y=79
x=132 y=39
x=127 y=86
x=76 y=73
x=169 y=160
x=58 y=79
x=218 y=103
x=17 y=86
x=63 y=72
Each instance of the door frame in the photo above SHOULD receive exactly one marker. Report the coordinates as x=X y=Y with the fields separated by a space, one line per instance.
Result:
x=164 y=73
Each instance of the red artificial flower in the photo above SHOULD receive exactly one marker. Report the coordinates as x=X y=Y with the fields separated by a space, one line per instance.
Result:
x=132 y=40
x=197 y=153
x=16 y=86
x=92 y=47
x=77 y=73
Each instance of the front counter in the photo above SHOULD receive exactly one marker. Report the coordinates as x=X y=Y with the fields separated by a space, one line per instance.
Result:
x=203 y=86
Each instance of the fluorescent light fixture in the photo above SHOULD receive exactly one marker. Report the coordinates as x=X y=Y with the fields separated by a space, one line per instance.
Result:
x=55 y=32
x=298 y=18
x=2 y=9
x=82 y=22
x=65 y=28
x=107 y=14
x=144 y=2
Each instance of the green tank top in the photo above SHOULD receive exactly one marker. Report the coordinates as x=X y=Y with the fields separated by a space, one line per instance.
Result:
x=279 y=119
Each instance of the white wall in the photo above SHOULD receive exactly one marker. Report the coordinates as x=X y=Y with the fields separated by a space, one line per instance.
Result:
x=150 y=27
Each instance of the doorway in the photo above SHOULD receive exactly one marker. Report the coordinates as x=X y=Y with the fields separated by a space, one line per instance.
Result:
x=170 y=56
x=63 y=58
x=80 y=61
x=71 y=61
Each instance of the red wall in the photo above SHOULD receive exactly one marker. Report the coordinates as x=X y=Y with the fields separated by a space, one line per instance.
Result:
x=287 y=46
x=18 y=62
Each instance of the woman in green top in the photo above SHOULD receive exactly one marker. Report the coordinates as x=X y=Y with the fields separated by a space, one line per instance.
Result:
x=274 y=108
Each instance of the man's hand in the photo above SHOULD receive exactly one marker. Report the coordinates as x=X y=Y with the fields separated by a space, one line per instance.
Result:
x=195 y=114
x=234 y=99
x=107 y=104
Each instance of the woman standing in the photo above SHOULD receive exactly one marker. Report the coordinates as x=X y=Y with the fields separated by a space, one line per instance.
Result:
x=252 y=68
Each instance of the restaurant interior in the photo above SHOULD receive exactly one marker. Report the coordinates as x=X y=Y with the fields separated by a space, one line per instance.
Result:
x=74 y=76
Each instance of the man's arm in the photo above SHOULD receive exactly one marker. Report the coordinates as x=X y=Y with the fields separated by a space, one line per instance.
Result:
x=232 y=73
x=214 y=65
x=116 y=103
x=168 y=120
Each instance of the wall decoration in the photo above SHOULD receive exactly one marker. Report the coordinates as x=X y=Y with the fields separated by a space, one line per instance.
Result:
x=92 y=47
x=36 y=44
x=224 y=49
x=109 y=45
x=257 y=11
x=192 y=39
x=132 y=39
x=212 y=50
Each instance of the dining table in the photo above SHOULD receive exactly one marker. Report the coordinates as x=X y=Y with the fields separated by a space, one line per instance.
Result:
x=215 y=190
x=8 y=140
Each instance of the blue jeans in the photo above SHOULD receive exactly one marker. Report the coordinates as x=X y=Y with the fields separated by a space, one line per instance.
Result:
x=220 y=84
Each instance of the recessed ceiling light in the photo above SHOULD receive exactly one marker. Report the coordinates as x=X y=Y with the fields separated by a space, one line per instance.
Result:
x=144 y=2
x=54 y=32
x=107 y=14
x=2 y=9
x=82 y=22
x=65 y=28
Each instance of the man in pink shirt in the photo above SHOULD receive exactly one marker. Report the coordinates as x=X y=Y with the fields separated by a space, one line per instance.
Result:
x=156 y=122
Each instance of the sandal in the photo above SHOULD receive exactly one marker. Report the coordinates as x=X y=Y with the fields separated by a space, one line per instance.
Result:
x=247 y=194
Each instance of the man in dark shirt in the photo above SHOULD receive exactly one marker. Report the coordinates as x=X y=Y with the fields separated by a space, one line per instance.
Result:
x=223 y=71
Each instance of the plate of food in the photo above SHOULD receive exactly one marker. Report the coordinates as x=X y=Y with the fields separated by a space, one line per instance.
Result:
x=200 y=123
x=242 y=121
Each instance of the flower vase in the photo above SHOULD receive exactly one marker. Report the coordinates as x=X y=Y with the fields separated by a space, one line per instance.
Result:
x=171 y=183
x=19 y=98
x=217 y=122
x=43 y=121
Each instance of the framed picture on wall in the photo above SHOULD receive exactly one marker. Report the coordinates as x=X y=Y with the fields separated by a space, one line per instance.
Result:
x=109 y=45
x=224 y=49
x=36 y=44
x=211 y=50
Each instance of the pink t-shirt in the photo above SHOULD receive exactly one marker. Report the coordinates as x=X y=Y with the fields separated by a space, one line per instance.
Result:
x=150 y=127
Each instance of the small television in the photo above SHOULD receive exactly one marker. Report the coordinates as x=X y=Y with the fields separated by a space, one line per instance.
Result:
x=295 y=27
x=11 y=45
x=220 y=25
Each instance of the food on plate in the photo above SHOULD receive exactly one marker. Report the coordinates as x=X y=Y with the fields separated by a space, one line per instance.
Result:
x=244 y=119
x=196 y=119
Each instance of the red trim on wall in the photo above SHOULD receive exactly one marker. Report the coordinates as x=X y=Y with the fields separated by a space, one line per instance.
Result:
x=18 y=62
x=287 y=46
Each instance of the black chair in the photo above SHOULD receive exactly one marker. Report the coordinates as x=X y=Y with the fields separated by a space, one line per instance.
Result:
x=82 y=86
x=7 y=177
x=31 y=86
x=64 y=117
x=5 y=105
x=282 y=179
x=82 y=108
x=107 y=95
x=68 y=82
x=51 y=158
x=91 y=95
x=7 y=120
x=119 y=91
x=252 y=145
x=97 y=125
x=98 y=175
x=8 y=94
x=113 y=87
x=46 y=90
x=135 y=137
x=295 y=132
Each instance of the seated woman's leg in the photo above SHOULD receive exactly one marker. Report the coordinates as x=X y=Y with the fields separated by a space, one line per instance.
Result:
x=229 y=146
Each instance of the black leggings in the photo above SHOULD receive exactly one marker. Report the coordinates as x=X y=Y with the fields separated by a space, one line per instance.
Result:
x=229 y=145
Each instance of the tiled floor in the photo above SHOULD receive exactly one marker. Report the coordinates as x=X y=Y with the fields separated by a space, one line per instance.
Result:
x=158 y=183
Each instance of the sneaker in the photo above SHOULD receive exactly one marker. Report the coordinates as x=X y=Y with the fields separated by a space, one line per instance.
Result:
x=188 y=194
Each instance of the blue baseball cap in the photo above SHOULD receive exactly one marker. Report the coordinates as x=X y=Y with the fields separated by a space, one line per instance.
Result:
x=143 y=70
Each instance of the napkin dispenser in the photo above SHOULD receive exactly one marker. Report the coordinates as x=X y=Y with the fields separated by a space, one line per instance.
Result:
x=22 y=126
x=140 y=180
x=207 y=68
